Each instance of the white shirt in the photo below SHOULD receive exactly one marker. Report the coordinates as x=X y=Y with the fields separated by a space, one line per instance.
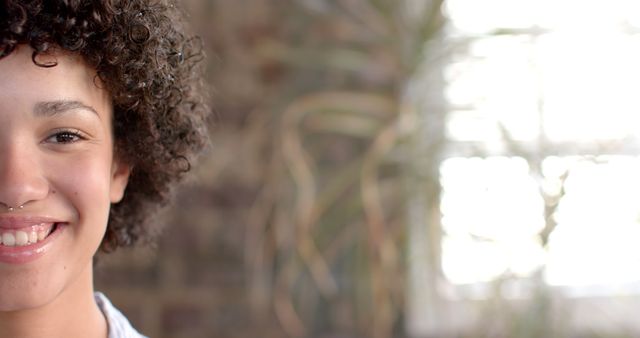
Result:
x=119 y=326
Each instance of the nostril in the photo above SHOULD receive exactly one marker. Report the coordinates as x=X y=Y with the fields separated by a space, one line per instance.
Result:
x=17 y=191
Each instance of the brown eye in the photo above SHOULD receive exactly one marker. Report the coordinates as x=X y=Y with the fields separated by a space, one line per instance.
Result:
x=65 y=137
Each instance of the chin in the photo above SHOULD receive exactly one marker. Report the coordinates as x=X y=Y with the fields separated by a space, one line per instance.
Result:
x=24 y=301
x=29 y=288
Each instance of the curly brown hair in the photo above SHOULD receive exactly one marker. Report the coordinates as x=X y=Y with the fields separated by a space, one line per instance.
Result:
x=150 y=65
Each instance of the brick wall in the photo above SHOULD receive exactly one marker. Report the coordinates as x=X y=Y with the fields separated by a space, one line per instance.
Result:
x=193 y=283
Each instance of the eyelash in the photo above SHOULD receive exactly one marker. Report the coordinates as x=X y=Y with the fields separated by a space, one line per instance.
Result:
x=74 y=135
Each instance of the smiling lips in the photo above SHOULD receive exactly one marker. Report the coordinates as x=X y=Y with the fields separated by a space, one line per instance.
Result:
x=24 y=239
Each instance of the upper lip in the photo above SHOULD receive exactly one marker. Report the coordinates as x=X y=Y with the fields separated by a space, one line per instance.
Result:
x=21 y=221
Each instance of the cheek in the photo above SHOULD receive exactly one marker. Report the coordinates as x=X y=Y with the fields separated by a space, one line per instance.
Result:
x=82 y=182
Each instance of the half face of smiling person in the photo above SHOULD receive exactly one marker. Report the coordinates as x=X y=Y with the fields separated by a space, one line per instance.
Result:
x=59 y=174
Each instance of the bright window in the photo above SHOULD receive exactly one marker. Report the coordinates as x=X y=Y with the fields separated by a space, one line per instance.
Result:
x=543 y=99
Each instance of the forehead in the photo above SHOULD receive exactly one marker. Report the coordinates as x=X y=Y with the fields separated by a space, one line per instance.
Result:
x=23 y=83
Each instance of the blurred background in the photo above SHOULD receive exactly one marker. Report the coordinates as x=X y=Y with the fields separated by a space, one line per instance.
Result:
x=404 y=168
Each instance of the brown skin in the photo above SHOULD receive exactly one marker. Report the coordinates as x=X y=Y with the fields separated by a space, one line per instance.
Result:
x=59 y=166
x=150 y=67
x=132 y=62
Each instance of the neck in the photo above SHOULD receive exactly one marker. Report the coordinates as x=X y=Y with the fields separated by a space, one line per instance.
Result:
x=73 y=313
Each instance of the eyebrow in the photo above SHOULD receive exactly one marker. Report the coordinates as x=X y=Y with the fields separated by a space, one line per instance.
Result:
x=52 y=108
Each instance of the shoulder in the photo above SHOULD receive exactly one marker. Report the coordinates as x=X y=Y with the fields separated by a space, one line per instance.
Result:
x=119 y=326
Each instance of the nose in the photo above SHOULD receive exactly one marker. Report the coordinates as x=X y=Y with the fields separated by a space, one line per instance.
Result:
x=21 y=178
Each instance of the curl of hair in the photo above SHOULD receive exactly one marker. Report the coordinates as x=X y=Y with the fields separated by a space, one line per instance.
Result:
x=150 y=66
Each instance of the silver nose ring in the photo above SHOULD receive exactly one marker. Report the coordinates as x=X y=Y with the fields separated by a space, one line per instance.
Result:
x=10 y=209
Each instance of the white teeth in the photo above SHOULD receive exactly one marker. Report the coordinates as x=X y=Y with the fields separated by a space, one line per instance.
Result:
x=8 y=239
x=26 y=235
x=21 y=238
x=33 y=237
